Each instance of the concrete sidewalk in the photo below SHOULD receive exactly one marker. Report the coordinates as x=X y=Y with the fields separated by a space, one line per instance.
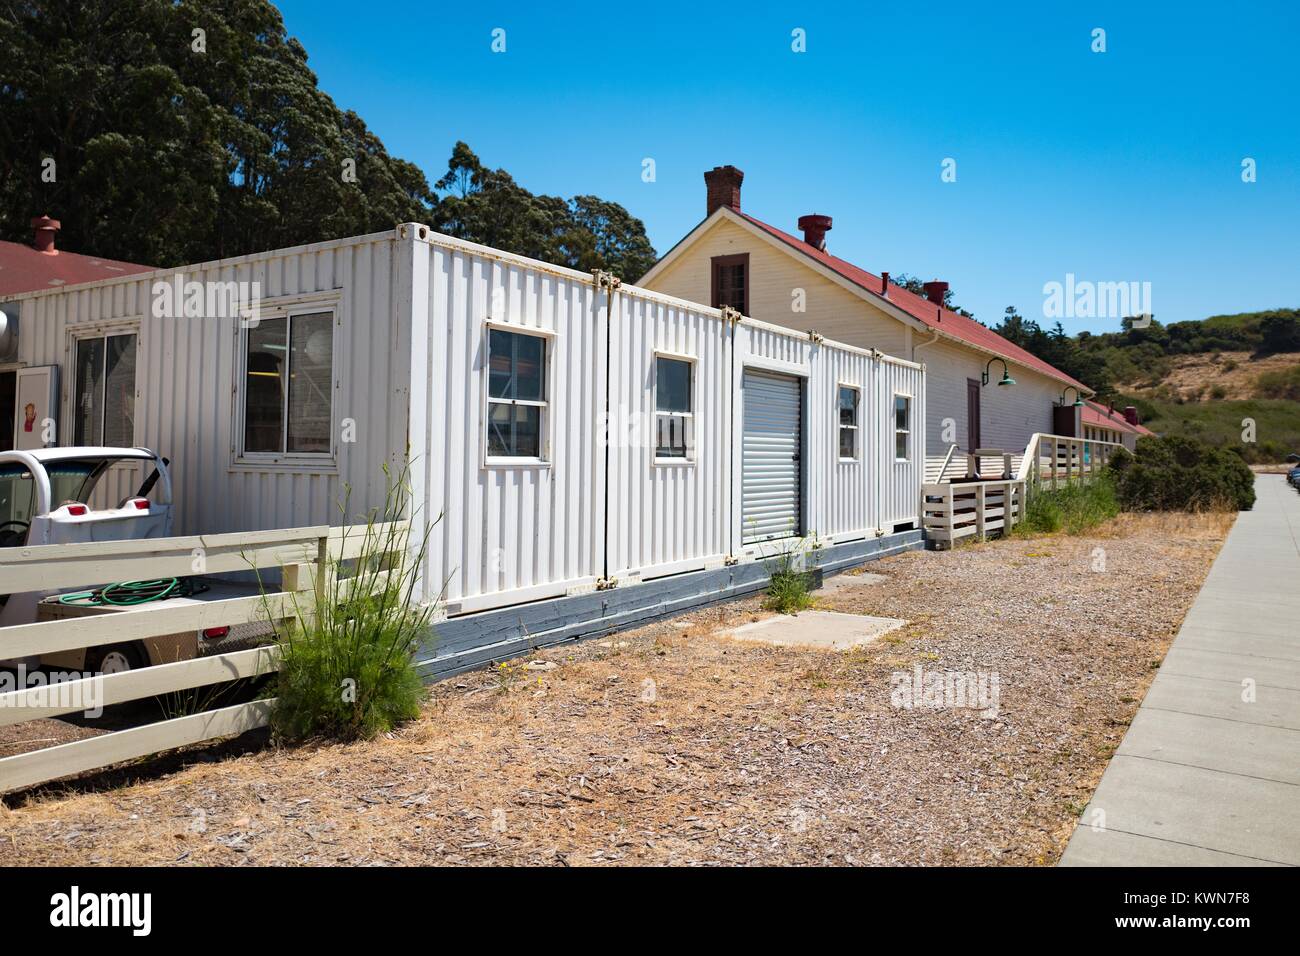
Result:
x=1206 y=777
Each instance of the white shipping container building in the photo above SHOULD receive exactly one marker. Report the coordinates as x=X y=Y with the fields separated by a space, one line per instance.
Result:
x=576 y=438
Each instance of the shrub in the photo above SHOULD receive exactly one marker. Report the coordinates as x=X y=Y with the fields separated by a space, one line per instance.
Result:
x=1182 y=474
x=346 y=665
x=1282 y=383
x=1075 y=508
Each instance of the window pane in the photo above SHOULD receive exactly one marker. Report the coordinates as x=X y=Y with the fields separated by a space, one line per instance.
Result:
x=900 y=411
x=311 y=380
x=264 y=386
x=87 y=401
x=848 y=406
x=672 y=385
x=514 y=431
x=670 y=436
x=516 y=366
x=847 y=442
x=500 y=358
x=900 y=444
x=119 y=392
x=530 y=355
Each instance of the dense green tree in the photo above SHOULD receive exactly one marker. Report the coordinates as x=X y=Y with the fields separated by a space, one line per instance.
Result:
x=488 y=206
x=171 y=146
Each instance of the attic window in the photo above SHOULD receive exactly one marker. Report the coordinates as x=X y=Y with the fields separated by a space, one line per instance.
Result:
x=730 y=283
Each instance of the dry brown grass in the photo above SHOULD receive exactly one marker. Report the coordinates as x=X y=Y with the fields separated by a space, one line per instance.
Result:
x=673 y=745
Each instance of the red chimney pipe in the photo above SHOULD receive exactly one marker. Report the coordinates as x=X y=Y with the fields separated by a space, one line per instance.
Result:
x=934 y=291
x=1131 y=415
x=723 y=187
x=814 y=229
x=44 y=239
x=884 y=283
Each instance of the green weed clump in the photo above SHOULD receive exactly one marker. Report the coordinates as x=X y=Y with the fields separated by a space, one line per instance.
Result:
x=1075 y=508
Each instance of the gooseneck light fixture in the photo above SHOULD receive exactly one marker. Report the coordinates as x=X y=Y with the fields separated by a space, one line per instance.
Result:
x=1006 y=373
x=1078 y=399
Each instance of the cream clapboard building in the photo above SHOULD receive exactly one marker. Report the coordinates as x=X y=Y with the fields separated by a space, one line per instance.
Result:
x=732 y=258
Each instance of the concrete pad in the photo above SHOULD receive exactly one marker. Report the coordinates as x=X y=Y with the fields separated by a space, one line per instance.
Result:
x=1272 y=707
x=825 y=629
x=1224 y=665
x=1090 y=847
x=1271 y=753
x=1277 y=643
x=843 y=582
x=1204 y=808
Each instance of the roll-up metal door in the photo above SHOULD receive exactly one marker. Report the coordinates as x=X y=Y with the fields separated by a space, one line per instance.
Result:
x=770 y=492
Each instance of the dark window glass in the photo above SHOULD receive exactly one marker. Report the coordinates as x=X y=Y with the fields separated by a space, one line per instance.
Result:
x=88 y=408
x=311 y=354
x=672 y=385
x=848 y=406
x=104 y=399
x=729 y=282
x=848 y=443
x=264 y=386
x=670 y=436
x=516 y=366
x=514 y=431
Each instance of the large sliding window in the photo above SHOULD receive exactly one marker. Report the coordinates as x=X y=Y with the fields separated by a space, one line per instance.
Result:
x=103 y=398
x=516 y=394
x=289 y=385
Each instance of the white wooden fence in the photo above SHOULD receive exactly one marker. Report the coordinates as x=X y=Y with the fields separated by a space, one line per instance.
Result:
x=979 y=506
x=302 y=553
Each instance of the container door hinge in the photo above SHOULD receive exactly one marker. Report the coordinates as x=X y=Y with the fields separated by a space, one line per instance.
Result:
x=730 y=560
x=816 y=336
x=606 y=584
x=731 y=315
x=606 y=280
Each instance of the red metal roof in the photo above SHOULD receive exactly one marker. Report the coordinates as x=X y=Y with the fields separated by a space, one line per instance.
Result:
x=1099 y=415
x=23 y=269
x=945 y=320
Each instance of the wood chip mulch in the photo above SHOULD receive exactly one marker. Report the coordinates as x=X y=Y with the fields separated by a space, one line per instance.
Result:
x=673 y=745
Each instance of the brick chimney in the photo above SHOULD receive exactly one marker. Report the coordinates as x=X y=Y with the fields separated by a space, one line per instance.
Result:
x=814 y=229
x=44 y=239
x=1131 y=415
x=723 y=185
x=934 y=291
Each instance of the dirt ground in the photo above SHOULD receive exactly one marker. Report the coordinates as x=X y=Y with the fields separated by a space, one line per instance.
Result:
x=671 y=744
x=1235 y=372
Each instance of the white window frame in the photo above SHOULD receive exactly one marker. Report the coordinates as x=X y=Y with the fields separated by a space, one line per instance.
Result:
x=908 y=431
x=856 y=426
x=691 y=430
x=547 y=403
x=312 y=462
x=98 y=330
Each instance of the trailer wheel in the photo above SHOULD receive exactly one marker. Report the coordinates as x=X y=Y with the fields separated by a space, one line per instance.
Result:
x=114 y=659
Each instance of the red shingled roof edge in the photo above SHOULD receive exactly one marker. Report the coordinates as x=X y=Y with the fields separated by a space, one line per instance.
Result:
x=944 y=320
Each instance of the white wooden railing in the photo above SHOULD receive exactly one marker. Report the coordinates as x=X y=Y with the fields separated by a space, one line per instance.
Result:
x=973 y=506
x=303 y=554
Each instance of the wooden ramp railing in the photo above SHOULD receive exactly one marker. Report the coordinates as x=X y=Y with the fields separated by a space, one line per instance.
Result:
x=972 y=506
x=302 y=553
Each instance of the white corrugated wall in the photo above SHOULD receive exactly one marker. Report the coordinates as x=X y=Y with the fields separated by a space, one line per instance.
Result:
x=510 y=532
x=667 y=516
x=900 y=480
x=186 y=381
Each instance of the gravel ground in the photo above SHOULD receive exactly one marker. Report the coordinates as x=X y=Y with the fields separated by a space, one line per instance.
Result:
x=673 y=745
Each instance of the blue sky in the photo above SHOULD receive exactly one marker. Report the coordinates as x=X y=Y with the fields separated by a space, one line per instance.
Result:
x=1115 y=166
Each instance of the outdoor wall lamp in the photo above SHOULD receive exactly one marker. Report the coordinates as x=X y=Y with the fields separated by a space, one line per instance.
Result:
x=1078 y=399
x=1006 y=373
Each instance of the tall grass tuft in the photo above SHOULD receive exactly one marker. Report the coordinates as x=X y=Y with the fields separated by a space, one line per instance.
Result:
x=346 y=666
x=789 y=589
x=1074 y=508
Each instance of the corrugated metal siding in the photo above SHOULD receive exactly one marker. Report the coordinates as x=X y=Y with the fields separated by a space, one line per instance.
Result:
x=900 y=480
x=771 y=460
x=512 y=532
x=186 y=381
x=843 y=495
x=667 y=517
